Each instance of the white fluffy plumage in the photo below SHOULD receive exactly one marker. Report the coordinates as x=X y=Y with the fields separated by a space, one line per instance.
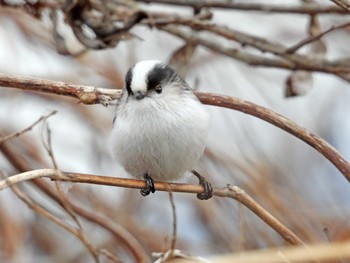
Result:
x=160 y=126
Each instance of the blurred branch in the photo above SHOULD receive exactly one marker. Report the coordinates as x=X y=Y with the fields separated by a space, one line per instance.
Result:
x=311 y=39
x=174 y=235
x=331 y=252
x=45 y=213
x=342 y=3
x=255 y=7
x=117 y=231
x=230 y=191
x=19 y=133
x=285 y=62
x=101 y=17
x=282 y=122
x=90 y=95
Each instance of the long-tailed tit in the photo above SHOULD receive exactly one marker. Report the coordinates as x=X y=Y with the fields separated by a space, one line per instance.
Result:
x=160 y=127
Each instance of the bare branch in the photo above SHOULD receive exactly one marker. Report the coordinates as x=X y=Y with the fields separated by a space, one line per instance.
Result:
x=285 y=62
x=85 y=94
x=342 y=3
x=311 y=39
x=241 y=196
x=230 y=191
x=78 y=91
x=45 y=213
x=117 y=231
x=328 y=252
x=19 y=133
x=255 y=7
x=174 y=235
x=282 y=122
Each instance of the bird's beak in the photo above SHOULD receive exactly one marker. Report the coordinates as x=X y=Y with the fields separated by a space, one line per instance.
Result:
x=139 y=95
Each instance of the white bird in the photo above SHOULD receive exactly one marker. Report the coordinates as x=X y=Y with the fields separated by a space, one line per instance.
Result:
x=160 y=127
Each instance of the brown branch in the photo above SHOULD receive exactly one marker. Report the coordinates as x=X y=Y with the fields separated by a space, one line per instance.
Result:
x=198 y=4
x=342 y=3
x=285 y=62
x=117 y=231
x=230 y=191
x=260 y=112
x=335 y=252
x=174 y=235
x=45 y=213
x=295 y=61
x=85 y=94
x=282 y=122
x=311 y=39
x=19 y=133
x=255 y=7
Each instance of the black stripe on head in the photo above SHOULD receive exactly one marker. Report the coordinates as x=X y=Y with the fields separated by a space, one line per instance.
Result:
x=128 y=78
x=160 y=73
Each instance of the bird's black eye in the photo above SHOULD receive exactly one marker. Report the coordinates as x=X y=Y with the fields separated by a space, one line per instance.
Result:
x=158 y=89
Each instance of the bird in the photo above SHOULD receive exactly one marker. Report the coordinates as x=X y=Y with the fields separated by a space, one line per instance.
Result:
x=160 y=127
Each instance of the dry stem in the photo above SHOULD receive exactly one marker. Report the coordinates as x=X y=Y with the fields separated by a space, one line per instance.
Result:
x=92 y=95
x=230 y=191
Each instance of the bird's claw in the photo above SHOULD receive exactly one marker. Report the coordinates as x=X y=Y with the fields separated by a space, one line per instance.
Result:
x=208 y=189
x=150 y=185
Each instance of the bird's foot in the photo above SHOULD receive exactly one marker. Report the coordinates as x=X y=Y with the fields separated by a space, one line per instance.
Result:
x=208 y=189
x=150 y=185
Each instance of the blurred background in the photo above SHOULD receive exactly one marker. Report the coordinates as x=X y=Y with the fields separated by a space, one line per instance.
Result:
x=287 y=177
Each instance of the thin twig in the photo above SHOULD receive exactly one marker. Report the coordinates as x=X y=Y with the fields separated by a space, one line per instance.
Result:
x=45 y=213
x=342 y=3
x=338 y=252
x=241 y=196
x=66 y=205
x=47 y=143
x=254 y=7
x=174 y=235
x=284 y=62
x=117 y=231
x=109 y=255
x=311 y=39
x=29 y=128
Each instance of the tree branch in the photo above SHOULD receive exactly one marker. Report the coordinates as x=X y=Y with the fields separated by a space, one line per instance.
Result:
x=85 y=94
x=90 y=95
x=45 y=213
x=230 y=191
x=282 y=122
x=311 y=39
x=286 y=61
x=116 y=230
x=19 y=133
x=255 y=7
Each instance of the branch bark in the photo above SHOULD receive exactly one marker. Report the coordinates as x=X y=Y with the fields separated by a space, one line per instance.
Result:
x=254 y=7
x=230 y=191
x=91 y=95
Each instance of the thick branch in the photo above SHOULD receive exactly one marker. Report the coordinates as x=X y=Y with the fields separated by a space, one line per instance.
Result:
x=85 y=94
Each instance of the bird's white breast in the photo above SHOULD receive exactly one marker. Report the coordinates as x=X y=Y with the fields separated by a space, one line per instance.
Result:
x=162 y=139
